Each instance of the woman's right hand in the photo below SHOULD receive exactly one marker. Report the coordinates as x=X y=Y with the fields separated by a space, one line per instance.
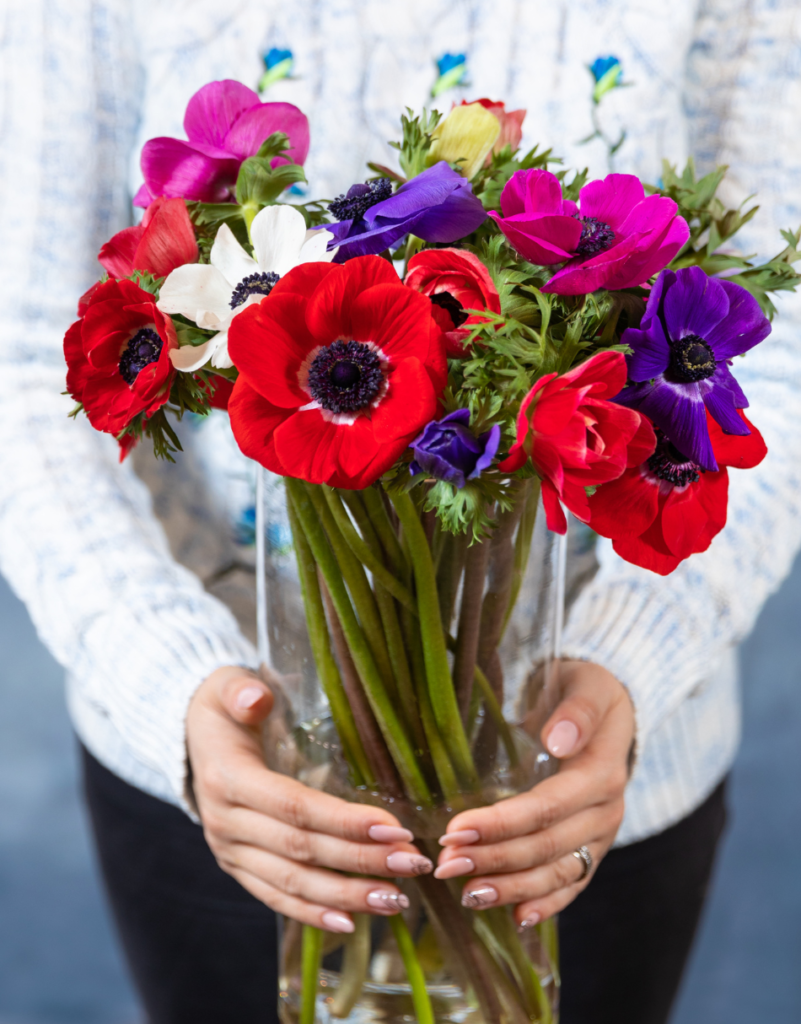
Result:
x=287 y=844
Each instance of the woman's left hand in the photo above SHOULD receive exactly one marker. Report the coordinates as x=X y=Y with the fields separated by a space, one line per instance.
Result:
x=520 y=850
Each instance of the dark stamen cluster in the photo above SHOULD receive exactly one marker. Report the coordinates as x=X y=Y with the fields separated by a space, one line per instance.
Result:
x=143 y=349
x=345 y=376
x=452 y=307
x=261 y=283
x=596 y=236
x=668 y=463
x=359 y=198
x=691 y=359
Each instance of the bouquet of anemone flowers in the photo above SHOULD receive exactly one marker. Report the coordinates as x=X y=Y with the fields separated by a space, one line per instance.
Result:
x=434 y=362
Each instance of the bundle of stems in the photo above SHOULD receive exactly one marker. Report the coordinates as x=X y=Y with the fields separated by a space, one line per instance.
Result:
x=379 y=581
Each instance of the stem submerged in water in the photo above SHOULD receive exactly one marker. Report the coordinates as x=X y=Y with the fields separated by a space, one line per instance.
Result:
x=310 y=973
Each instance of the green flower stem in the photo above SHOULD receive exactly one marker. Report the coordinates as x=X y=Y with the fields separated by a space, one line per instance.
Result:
x=378 y=517
x=414 y=972
x=363 y=552
x=330 y=678
x=525 y=532
x=448 y=782
x=249 y=211
x=469 y=618
x=438 y=673
x=549 y=937
x=400 y=664
x=310 y=973
x=449 y=573
x=359 y=586
x=396 y=739
x=504 y=934
x=355 y=964
x=495 y=711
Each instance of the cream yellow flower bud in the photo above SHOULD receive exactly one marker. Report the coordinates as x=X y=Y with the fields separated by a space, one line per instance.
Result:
x=467 y=135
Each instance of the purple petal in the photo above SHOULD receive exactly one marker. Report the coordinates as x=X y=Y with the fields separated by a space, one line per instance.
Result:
x=458 y=216
x=653 y=305
x=177 y=170
x=720 y=403
x=440 y=469
x=459 y=416
x=611 y=199
x=745 y=326
x=723 y=378
x=678 y=410
x=694 y=304
x=491 y=440
x=213 y=109
x=650 y=352
x=431 y=188
x=255 y=125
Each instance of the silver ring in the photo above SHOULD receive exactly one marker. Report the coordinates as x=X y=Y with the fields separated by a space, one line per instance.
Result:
x=584 y=855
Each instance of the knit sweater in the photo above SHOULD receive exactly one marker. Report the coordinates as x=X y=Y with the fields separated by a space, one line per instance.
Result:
x=122 y=603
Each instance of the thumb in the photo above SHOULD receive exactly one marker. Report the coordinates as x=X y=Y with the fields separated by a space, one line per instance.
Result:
x=243 y=696
x=589 y=691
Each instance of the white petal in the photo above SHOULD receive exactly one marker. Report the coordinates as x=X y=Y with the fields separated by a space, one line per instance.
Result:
x=191 y=357
x=221 y=359
x=193 y=289
x=228 y=256
x=314 y=248
x=278 y=233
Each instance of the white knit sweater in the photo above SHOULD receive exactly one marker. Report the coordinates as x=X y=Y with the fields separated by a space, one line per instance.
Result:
x=86 y=82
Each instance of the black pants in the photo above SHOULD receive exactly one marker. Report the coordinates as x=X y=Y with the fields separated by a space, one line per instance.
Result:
x=203 y=951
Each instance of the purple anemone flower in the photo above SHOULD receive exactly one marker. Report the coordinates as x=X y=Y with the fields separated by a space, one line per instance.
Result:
x=437 y=206
x=448 y=450
x=679 y=367
x=225 y=123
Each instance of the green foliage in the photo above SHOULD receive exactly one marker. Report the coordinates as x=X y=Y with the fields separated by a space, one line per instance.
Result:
x=416 y=140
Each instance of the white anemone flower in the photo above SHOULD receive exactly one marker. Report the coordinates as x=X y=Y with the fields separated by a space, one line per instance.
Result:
x=211 y=295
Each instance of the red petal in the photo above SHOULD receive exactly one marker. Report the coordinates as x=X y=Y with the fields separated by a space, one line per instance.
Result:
x=117 y=255
x=625 y=507
x=303 y=279
x=78 y=368
x=308 y=445
x=253 y=422
x=607 y=370
x=740 y=452
x=409 y=403
x=554 y=515
x=168 y=240
x=515 y=460
x=638 y=551
x=683 y=520
x=643 y=445
x=329 y=313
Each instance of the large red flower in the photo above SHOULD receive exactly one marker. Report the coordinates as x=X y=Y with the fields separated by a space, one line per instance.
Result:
x=666 y=508
x=455 y=281
x=164 y=240
x=340 y=367
x=118 y=362
x=576 y=437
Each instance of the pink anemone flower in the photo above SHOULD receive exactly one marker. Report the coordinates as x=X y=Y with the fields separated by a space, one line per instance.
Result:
x=225 y=123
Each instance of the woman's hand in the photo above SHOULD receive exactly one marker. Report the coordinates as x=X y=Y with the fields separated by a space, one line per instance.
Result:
x=284 y=842
x=521 y=850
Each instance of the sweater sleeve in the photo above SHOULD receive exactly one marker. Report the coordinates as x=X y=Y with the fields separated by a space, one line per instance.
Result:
x=662 y=637
x=78 y=539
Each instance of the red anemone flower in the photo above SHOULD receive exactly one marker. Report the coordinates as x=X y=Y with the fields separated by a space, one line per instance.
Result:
x=163 y=241
x=666 y=508
x=340 y=367
x=575 y=435
x=454 y=280
x=118 y=362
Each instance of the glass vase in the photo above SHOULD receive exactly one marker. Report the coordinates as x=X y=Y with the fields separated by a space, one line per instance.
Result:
x=426 y=667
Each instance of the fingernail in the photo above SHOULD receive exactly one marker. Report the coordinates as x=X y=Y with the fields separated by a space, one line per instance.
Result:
x=463 y=838
x=389 y=834
x=454 y=868
x=562 y=739
x=409 y=863
x=387 y=902
x=532 y=919
x=248 y=697
x=335 y=922
x=476 y=899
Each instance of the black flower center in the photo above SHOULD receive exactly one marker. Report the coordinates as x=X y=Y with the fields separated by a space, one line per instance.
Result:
x=668 y=463
x=143 y=349
x=596 y=236
x=691 y=359
x=345 y=376
x=452 y=307
x=261 y=283
x=359 y=198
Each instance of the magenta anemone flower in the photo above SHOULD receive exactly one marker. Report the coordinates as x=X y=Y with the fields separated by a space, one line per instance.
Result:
x=225 y=123
x=679 y=365
x=615 y=238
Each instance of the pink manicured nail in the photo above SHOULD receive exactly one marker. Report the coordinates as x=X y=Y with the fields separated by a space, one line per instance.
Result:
x=387 y=902
x=562 y=739
x=477 y=899
x=389 y=834
x=335 y=922
x=463 y=838
x=532 y=919
x=248 y=697
x=409 y=863
x=454 y=868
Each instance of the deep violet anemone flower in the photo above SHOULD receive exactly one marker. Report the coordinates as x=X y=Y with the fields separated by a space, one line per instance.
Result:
x=679 y=365
x=615 y=237
x=225 y=123
x=449 y=450
x=437 y=206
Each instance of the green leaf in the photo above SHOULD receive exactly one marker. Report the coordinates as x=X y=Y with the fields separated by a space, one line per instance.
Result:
x=259 y=184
